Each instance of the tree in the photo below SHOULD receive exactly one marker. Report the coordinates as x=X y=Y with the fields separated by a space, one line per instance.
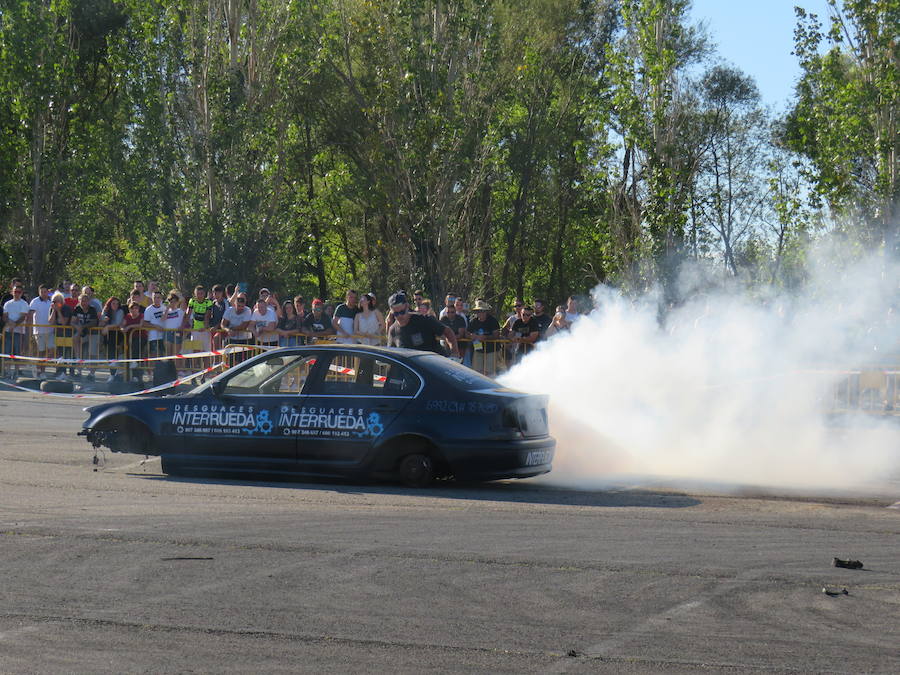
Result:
x=56 y=86
x=655 y=48
x=731 y=193
x=846 y=116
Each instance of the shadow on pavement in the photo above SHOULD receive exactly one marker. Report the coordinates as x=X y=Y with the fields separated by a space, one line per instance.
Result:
x=498 y=491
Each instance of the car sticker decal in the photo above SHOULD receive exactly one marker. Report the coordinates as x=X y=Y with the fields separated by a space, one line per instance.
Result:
x=216 y=419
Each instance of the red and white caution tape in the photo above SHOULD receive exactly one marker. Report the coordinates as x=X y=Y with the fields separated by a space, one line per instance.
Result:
x=351 y=371
x=151 y=390
x=225 y=351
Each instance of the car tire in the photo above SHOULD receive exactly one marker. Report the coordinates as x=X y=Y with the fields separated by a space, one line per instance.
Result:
x=416 y=470
x=57 y=386
x=29 y=383
x=117 y=388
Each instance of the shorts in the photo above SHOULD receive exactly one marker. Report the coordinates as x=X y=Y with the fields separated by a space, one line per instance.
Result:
x=173 y=337
x=44 y=341
x=201 y=336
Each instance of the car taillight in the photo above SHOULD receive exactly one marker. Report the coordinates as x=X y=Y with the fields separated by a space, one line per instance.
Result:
x=509 y=418
x=509 y=421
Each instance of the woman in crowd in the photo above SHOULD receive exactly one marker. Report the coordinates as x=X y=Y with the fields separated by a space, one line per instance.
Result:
x=369 y=322
x=135 y=335
x=111 y=322
x=60 y=318
x=560 y=322
x=289 y=325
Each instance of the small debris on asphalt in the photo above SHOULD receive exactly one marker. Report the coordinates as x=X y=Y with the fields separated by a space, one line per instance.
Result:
x=848 y=564
x=187 y=558
x=573 y=653
x=833 y=592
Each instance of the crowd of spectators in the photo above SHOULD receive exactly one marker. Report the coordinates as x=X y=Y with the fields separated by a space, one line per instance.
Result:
x=154 y=323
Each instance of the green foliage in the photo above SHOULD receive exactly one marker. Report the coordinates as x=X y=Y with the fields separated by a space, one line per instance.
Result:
x=493 y=148
x=845 y=118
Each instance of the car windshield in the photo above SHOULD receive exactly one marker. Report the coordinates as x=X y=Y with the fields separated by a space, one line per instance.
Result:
x=274 y=374
x=462 y=376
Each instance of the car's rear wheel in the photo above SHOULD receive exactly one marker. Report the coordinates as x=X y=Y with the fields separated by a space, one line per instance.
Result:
x=416 y=470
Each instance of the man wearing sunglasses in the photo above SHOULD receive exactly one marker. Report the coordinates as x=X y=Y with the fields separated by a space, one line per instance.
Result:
x=416 y=331
x=525 y=332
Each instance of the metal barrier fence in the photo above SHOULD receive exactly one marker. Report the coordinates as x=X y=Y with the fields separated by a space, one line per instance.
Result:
x=99 y=347
x=874 y=390
x=870 y=390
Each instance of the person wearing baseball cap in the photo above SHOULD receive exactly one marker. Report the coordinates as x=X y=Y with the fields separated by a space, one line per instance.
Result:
x=317 y=323
x=415 y=331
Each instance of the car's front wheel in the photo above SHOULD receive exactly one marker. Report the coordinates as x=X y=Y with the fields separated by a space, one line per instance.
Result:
x=416 y=470
x=171 y=466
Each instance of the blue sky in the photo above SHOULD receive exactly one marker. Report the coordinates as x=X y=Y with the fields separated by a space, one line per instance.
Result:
x=757 y=36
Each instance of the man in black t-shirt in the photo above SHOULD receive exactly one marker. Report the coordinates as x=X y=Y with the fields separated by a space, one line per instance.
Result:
x=525 y=331
x=415 y=331
x=541 y=318
x=483 y=325
x=317 y=323
x=455 y=321
x=84 y=317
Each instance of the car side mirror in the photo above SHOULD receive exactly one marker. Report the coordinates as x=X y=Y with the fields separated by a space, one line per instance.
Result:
x=218 y=388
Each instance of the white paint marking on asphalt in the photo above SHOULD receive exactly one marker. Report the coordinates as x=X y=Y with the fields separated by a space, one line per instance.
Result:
x=617 y=641
x=134 y=465
x=895 y=505
x=7 y=634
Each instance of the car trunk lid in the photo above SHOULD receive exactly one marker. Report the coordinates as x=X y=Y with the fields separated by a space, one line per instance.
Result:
x=527 y=415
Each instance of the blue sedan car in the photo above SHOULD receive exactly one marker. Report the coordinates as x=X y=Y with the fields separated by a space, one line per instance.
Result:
x=342 y=411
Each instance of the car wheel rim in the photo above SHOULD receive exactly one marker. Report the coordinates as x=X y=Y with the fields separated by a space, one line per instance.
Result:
x=416 y=470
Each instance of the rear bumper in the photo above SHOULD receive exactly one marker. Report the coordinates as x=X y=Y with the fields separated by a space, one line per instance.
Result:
x=493 y=460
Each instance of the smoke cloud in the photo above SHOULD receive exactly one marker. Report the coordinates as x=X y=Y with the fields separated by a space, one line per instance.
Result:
x=727 y=389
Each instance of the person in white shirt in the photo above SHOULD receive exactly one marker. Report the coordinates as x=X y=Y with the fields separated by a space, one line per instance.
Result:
x=236 y=323
x=15 y=316
x=264 y=321
x=154 y=320
x=173 y=323
x=39 y=311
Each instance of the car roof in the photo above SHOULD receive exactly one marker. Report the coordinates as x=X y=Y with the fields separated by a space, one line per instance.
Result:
x=374 y=349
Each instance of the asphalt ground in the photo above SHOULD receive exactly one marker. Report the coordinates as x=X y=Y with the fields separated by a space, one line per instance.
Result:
x=123 y=569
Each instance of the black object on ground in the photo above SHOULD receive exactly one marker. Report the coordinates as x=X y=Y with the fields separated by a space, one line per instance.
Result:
x=187 y=557
x=58 y=386
x=164 y=372
x=847 y=564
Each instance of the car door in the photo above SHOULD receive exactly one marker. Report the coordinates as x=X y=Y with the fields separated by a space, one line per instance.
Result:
x=351 y=402
x=244 y=422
